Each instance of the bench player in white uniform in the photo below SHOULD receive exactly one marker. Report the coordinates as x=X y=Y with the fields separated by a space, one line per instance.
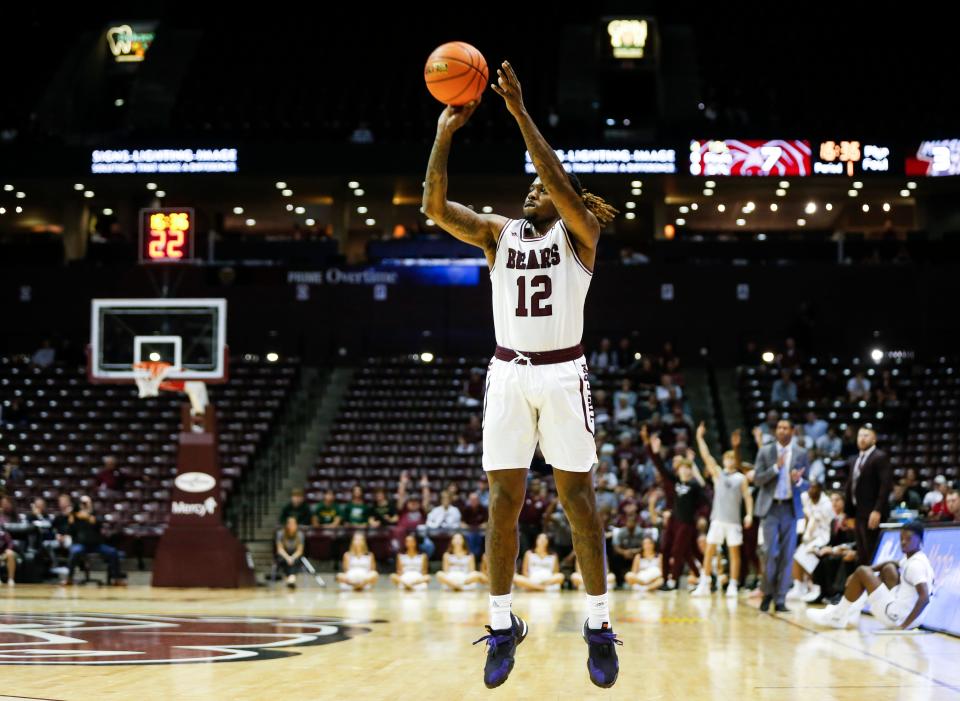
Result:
x=536 y=385
x=899 y=592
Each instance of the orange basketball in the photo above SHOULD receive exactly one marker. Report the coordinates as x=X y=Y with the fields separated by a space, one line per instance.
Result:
x=456 y=73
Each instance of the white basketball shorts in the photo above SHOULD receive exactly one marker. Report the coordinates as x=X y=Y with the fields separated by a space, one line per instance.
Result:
x=550 y=403
x=720 y=531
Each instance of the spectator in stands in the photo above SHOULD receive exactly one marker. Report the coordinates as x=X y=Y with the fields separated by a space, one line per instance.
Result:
x=848 y=445
x=45 y=355
x=111 y=478
x=540 y=570
x=384 y=512
x=626 y=390
x=445 y=515
x=868 y=492
x=412 y=567
x=778 y=473
x=937 y=494
x=8 y=510
x=680 y=424
x=289 y=549
x=459 y=571
x=858 y=388
x=731 y=492
x=483 y=489
x=625 y=449
x=784 y=389
x=86 y=538
x=296 y=508
x=838 y=558
x=886 y=391
x=10 y=474
x=951 y=512
x=818 y=512
x=646 y=374
x=576 y=577
x=627 y=543
x=624 y=413
x=474 y=519
x=815 y=427
x=61 y=522
x=606 y=488
x=667 y=393
x=472 y=393
x=358 y=565
x=464 y=446
x=411 y=519
x=645 y=574
x=327 y=512
x=630 y=257
x=901 y=497
x=604 y=358
x=601 y=409
x=829 y=444
x=768 y=428
x=668 y=360
x=356 y=512
x=911 y=481
x=530 y=519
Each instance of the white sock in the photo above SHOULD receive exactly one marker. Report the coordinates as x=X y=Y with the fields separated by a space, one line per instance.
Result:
x=598 y=611
x=844 y=606
x=500 y=607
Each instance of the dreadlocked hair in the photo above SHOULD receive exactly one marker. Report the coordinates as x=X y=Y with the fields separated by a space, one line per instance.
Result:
x=603 y=211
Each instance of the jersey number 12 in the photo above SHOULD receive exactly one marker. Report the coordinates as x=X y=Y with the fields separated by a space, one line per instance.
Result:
x=545 y=289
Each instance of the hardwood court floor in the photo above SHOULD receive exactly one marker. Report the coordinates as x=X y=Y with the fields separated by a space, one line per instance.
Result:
x=418 y=647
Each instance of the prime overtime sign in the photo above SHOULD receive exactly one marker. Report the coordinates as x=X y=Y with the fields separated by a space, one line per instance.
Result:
x=166 y=235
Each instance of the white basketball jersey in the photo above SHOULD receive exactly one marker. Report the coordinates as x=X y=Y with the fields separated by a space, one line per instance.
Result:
x=539 y=288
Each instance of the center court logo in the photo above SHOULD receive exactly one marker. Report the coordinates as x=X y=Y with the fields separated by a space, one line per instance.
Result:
x=107 y=639
x=208 y=506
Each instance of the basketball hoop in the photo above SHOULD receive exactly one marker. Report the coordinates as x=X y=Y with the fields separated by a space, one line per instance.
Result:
x=151 y=378
x=149 y=375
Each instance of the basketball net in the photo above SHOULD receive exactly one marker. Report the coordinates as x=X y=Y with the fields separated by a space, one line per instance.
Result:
x=151 y=378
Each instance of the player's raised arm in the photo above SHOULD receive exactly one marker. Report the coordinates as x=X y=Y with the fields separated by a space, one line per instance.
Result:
x=462 y=222
x=581 y=213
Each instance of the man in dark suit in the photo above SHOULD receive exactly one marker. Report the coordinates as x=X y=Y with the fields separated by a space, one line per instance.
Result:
x=778 y=474
x=868 y=492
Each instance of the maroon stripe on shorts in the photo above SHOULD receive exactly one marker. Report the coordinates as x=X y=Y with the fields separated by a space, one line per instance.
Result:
x=583 y=403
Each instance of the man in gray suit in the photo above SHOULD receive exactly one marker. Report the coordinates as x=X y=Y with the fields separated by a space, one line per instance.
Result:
x=779 y=470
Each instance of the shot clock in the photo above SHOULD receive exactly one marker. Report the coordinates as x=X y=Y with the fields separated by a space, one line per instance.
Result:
x=167 y=235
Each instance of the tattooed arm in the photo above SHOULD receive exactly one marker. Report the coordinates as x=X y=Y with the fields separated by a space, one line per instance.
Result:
x=480 y=230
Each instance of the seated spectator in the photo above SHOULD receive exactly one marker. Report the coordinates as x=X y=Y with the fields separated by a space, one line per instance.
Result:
x=11 y=474
x=459 y=571
x=356 y=512
x=359 y=566
x=474 y=520
x=646 y=374
x=606 y=488
x=626 y=391
x=937 y=494
x=474 y=429
x=951 y=507
x=412 y=573
x=667 y=393
x=858 y=388
x=784 y=389
x=627 y=543
x=645 y=574
x=808 y=389
x=623 y=411
x=8 y=510
x=790 y=357
x=289 y=549
x=44 y=356
x=540 y=570
x=111 y=478
x=829 y=444
x=605 y=358
x=296 y=508
x=445 y=516
x=86 y=537
x=326 y=514
x=769 y=427
x=384 y=512
x=679 y=425
x=601 y=409
x=815 y=427
x=848 y=447
x=464 y=446
x=838 y=558
x=911 y=480
x=576 y=577
x=901 y=497
x=411 y=519
x=472 y=392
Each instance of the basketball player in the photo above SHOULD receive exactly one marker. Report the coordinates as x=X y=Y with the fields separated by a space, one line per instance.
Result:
x=899 y=592
x=536 y=386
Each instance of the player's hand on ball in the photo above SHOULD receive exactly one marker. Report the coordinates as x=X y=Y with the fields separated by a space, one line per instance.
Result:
x=508 y=87
x=452 y=118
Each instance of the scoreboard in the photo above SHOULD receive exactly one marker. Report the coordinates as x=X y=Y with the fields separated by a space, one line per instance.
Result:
x=167 y=235
x=749 y=157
